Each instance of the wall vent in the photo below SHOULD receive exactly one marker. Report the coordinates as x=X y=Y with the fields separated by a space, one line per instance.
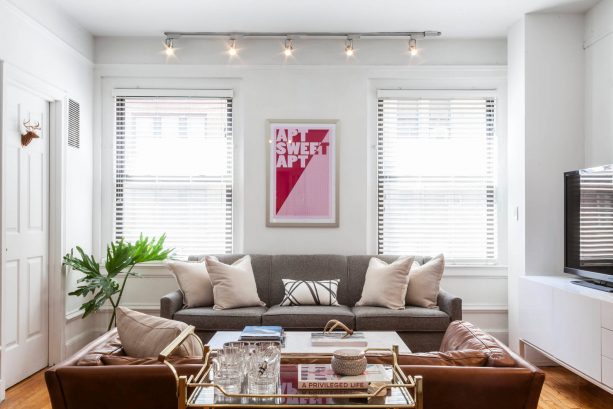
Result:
x=74 y=124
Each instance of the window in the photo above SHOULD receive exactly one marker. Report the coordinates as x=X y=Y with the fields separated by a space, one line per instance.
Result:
x=173 y=171
x=436 y=169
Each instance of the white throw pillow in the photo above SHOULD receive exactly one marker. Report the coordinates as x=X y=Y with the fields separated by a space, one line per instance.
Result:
x=145 y=336
x=424 y=282
x=298 y=292
x=233 y=285
x=194 y=282
x=386 y=284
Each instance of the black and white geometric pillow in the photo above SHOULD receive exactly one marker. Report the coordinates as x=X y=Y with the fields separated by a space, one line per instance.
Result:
x=298 y=292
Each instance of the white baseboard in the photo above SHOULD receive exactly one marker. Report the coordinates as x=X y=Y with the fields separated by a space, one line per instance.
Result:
x=2 y=391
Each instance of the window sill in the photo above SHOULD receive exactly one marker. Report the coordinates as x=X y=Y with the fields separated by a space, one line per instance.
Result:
x=158 y=264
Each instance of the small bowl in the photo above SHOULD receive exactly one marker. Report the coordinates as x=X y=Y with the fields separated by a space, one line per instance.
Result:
x=348 y=362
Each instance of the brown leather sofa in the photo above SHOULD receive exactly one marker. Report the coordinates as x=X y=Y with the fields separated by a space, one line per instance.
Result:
x=471 y=370
x=85 y=381
x=506 y=381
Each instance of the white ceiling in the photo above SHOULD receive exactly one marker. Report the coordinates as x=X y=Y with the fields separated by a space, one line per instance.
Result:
x=455 y=18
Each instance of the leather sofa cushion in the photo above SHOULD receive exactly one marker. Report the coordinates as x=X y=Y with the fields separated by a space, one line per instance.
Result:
x=208 y=319
x=129 y=360
x=94 y=357
x=410 y=319
x=464 y=335
x=466 y=357
x=307 y=317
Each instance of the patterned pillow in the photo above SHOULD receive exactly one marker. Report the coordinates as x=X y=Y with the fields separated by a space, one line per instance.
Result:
x=298 y=292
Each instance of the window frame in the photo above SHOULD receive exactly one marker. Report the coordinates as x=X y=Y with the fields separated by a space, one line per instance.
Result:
x=104 y=213
x=490 y=87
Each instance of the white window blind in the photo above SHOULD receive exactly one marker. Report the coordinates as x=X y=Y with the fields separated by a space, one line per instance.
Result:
x=173 y=171
x=437 y=175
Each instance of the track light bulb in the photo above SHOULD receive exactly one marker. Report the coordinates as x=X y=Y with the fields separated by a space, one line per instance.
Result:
x=349 y=51
x=169 y=47
x=413 y=46
x=289 y=48
x=232 y=49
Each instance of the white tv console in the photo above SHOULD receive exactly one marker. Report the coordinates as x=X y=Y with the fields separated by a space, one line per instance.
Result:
x=570 y=324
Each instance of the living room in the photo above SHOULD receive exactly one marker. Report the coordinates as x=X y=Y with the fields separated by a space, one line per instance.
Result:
x=300 y=144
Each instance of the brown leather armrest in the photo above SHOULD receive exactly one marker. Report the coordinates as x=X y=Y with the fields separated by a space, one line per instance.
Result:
x=117 y=387
x=479 y=388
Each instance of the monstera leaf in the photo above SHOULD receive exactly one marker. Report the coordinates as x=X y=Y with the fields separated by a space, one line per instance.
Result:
x=121 y=257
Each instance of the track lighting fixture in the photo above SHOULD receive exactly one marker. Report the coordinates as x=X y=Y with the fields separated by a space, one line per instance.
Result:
x=289 y=37
x=413 y=46
x=289 y=47
x=169 y=47
x=349 y=51
x=232 y=47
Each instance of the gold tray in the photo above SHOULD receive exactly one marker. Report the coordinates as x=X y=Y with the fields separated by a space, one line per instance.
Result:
x=404 y=391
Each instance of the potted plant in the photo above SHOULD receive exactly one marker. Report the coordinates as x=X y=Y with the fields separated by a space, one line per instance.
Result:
x=121 y=257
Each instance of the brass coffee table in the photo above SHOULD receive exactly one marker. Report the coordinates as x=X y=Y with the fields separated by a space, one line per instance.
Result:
x=198 y=391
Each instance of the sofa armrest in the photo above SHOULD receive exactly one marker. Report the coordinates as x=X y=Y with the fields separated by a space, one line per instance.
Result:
x=450 y=304
x=115 y=386
x=457 y=387
x=170 y=304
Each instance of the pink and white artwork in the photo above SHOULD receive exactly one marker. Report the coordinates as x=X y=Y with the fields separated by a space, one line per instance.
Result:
x=302 y=187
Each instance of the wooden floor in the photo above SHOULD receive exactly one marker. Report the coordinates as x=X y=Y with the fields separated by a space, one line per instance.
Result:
x=562 y=390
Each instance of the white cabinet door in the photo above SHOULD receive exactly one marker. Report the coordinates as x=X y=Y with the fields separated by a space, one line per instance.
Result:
x=576 y=327
x=607 y=371
x=536 y=314
x=26 y=209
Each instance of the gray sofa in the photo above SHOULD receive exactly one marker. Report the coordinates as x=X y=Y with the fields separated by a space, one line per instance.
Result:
x=421 y=329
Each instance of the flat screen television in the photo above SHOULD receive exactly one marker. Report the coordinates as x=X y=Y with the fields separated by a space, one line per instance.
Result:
x=588 y=225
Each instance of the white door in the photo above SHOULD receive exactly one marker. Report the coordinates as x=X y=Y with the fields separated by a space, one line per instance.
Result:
x=25 y=332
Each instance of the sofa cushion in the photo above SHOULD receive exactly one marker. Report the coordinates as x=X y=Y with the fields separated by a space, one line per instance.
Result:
x=307 y=267
x=130 y=360
x=208 y=319
x=464 y=335
x=144 y=335
x=260 y=263
x=194 y=282
x=466 y=357
x=424 y=282
x=111 y=347
x=307 y=316
x=356 y=273
x=385 y=284
x=234 y=285
x=410 y=319
x=301 y=292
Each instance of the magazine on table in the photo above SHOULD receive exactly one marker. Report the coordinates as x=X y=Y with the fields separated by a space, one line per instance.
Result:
x=322 y=376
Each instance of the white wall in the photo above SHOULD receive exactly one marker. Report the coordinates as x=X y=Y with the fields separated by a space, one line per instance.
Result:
x=599 y=85
x=546 y=72
x=319 y=83
x=38 y=39
x=516 y=186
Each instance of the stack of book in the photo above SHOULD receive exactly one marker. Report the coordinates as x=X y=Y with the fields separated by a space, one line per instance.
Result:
x=252 y=333
x=322 y=377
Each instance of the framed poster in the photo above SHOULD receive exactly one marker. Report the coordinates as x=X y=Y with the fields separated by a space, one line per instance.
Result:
x=302 y=173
